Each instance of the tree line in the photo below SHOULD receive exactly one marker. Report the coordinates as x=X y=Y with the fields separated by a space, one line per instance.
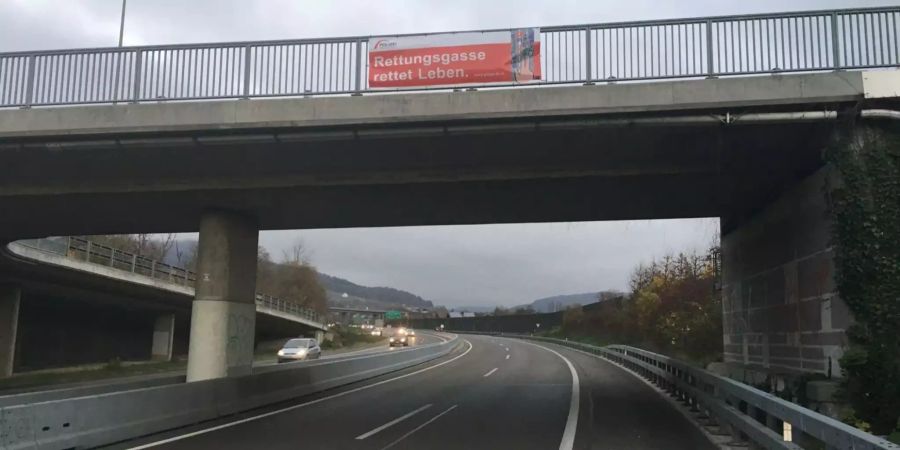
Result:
x=673 y=307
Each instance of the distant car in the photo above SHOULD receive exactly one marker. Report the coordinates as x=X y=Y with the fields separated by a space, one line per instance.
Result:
x=410 y=332
x=299 y=350
x=399 y=337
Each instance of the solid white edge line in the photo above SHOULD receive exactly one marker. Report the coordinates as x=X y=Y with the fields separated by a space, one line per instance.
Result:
x=568 y=439
x=392 y=423
x=678 y=406
x=491 y=372
x=291 y=408
x=419 y=427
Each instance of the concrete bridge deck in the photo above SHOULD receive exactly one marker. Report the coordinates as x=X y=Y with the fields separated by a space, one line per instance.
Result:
x=671 y=149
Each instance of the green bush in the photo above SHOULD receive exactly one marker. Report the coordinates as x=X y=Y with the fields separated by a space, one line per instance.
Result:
x=346 y=337
x=865 y=206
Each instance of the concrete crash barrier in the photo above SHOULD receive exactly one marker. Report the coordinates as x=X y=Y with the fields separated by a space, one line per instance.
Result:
x=52 y=393
x=747 y=413
x=94 y=420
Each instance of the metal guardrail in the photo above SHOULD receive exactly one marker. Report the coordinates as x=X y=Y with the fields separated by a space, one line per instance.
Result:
x=86 y=250
x=748 y=414
x=647 y=50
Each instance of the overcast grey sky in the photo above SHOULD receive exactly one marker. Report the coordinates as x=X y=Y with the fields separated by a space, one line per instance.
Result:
x=488 y=264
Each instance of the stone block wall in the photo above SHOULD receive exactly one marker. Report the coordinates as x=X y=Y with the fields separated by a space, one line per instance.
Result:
x=781 y=309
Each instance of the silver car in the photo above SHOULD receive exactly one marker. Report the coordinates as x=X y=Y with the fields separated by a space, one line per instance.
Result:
x=299 y=350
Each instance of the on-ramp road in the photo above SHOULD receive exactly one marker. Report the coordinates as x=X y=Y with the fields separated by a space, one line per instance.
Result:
x=491 y=393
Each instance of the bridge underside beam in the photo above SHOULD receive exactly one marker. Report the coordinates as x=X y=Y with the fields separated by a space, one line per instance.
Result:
x=580 y=174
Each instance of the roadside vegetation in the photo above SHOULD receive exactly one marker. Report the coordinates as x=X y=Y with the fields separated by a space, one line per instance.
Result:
x=673 y=308
x=865 y=207
x=88 y=373
x=292 y=279
x=349 y=337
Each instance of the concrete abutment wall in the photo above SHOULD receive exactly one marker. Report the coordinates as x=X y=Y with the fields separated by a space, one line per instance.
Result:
x=781 y=309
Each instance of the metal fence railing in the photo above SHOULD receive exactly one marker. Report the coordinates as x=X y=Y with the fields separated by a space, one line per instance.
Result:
x=280 y=305
x=748 y=414
x=82 y=249
x=648 y=50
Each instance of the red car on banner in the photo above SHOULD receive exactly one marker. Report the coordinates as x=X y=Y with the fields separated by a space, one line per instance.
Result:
x=451 y=59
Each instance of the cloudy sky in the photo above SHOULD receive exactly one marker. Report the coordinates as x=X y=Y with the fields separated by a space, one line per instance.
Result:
x=489 y=264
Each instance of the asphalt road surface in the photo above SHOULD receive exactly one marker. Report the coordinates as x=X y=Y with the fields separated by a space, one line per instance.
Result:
x=422 y=339
x=490 y=393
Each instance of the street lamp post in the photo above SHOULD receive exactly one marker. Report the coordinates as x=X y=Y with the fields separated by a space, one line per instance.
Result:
x=122 y=23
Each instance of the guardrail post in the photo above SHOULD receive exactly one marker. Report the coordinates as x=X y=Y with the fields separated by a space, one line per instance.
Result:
x=588 y=58
x=835 y=51
x=87 y=252
x=248 y=62
x=359 y=67
x=29 y=86
x=133 y=263
x=116 y=75
x=112 y=257
x=695 y=407
x=152 y=268
x=710 y=72
x=138 y=68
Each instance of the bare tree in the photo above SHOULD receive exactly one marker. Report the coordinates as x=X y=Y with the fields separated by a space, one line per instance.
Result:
x=166 y=245
x=186 y=254
x=296 y=254
x=151 y=246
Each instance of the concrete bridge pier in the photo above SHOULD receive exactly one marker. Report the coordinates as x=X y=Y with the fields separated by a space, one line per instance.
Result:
x=10 y=300
x=163 y=337
x=223 y=320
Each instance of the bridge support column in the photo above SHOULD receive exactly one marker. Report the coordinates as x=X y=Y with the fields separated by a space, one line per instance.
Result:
x=320 y=336
x=10 y=299
x=163 y=337
x=223 y=320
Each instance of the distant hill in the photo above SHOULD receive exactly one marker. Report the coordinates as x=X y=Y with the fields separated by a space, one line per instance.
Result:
x=374 y=297
x=475 y=309
x=561 y=302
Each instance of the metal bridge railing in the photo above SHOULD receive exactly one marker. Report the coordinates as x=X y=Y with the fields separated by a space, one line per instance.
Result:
x=82 y=249
x=648 y=50
x=748 y=414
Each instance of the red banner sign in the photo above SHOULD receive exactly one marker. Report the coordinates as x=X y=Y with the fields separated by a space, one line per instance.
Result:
x=455 y=59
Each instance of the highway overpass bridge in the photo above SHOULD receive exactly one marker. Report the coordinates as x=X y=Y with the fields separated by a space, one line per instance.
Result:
x=732 y=125
x=70 y=301
x=347 y=316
